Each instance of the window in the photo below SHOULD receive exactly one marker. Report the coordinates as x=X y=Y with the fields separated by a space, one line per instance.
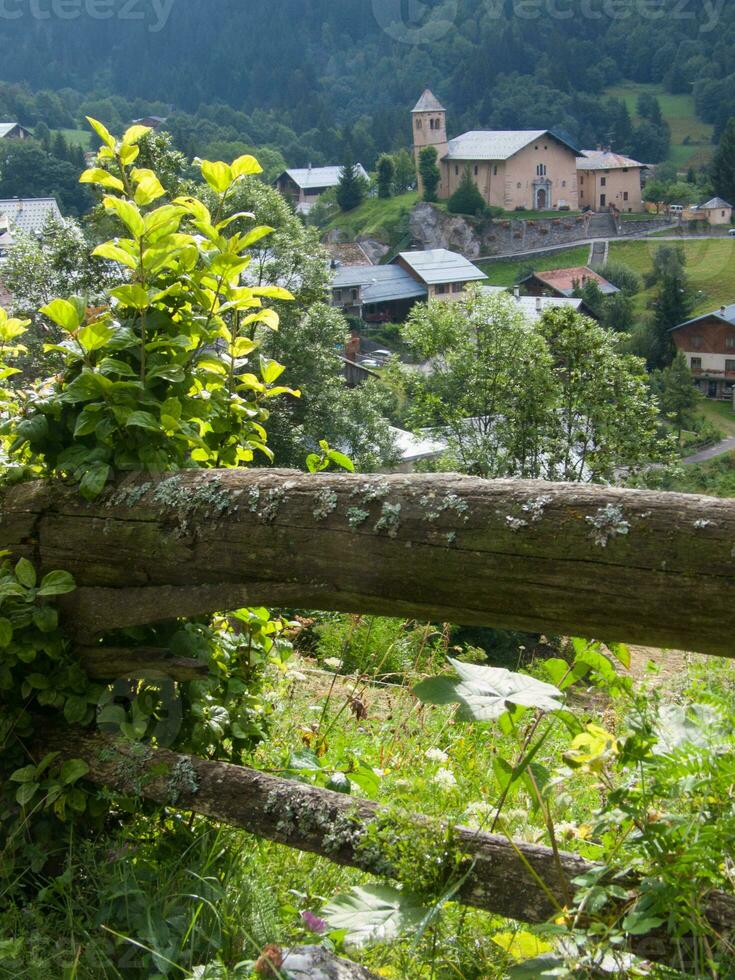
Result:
x=581 y=180
x=696 y=363
x=477 y=170
x=730 y=341
x=625 y=195
x=354 y=295
x=458 y=287
x=519 y=185
x=495 y=170
x=603 y=200
x=603 y=181
x=440 y=290
x=456 y=169
x=625 y=170
x=338 y=294
x=419 y=124
x=563 y=183
x=541 y=170
x=697 y=342
x=730 y=366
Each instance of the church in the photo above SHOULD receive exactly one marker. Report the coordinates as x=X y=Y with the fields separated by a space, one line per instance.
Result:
x=534 y=170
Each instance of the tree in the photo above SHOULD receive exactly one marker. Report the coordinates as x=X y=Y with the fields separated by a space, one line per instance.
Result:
x=671 y=306
x=386 y=175
x=677 y=394
x=622 y=276
x=429 y=171
x=723 y=165
x=649 y=108
x=405 y=175
x=351 y=190
x=467 y=199
x=554 y=400
x=26 y=170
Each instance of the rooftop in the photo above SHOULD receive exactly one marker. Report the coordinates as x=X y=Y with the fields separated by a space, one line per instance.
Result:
x=309 y=178
x=564 y=280
x=605 y=160
x=714 y=205
x=29 y=214
x=380 y=283
x=725 y=313
x=8 y=127
x=533 y=307
x=428 y=103
x=499 y=144
x=439 y=265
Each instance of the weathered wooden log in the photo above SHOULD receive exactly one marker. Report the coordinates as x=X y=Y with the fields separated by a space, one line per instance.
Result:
x=651 y=568
x=110 y=663
x=513 y=879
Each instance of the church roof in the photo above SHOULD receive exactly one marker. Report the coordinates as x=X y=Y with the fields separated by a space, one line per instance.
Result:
x=713 y=205
x=605 y=160
x=428 y=103
x=496 y=144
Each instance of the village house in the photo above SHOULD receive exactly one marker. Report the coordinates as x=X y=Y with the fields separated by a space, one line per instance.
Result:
x=387 y=292
x=534 y=307
x=608 y=180
x=27 y=216
x=305 y=187
x=533 y=170
x=708 y=343
x=714 y=212
x=565 y=282
x=14 y=131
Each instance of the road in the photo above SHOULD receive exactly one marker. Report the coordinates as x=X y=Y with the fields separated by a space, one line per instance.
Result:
x=726 y=446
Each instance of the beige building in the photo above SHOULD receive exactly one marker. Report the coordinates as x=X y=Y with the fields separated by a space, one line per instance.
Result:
x=714 y=212
x=608 y=180
x=513 y=169
x=304 y=187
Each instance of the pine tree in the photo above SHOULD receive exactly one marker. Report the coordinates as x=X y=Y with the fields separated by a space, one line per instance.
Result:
x=723 y=165
x=386 y=175
x=677 y=394
x=429 y=171
x=672 y=306
x=351 y=190
x=467 y=199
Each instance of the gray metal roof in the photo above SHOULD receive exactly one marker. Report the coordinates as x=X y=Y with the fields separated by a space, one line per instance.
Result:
x=29 y=214
x=6 y=128
x=713 y=205
x=439 y=265
x=380 y=283
x=726 y=313
x=498 y=144
x=605 y=160
x=310 y=178
x=533 y=307
x=428 y=103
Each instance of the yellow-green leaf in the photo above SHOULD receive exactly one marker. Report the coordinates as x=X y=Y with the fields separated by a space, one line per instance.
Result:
x=127 y=213
x=103 y=133
x=63 y=313
x=245 y=166
x=96 y=175
x=108 y=250
x=135 y=134
x=217 y=174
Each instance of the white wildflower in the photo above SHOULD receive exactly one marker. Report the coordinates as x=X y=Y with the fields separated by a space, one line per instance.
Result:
x=333 y=663
x=436 y=755
x=479 y=814
x=445 y=779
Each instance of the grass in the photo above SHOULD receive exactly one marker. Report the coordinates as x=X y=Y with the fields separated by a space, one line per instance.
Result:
x=385 y=219
x=691 y=139
x=720 y=414
x=78 y=137
x=506 y=272
x=710 y=264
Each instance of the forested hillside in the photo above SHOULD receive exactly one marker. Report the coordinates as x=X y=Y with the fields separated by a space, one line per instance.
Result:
x=314 y=77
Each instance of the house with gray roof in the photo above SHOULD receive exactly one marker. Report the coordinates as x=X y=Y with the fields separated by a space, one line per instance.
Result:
x=534 y=169
x=27 y=216
x=708 y=344
x=305 y=186
x=14 y=131
x=714 y=212
x=386 y=293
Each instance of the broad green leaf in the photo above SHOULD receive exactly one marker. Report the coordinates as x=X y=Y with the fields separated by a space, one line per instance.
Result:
x=374 y=913
x=45 y=618
x=95 y=335
x=25 y=775
x=93 y=482
x=339 y=783
x=255 y=235
x=6 y=632
x=108 y=250
x=270 y=370
x=134 y=134
x=133 y=295
x=26 y=792
x=143 y=420
x=57 y=583
x=127 y=213
x=72 y=770
x=621 y=652
x=272 y=292
x=246 y=166
x=547 y=965
x=339 y=459
x=63 y=313
x=217 y=174
x=149 y=189
x=96 y=175
x=483 y=693
x=521 y=944
x=102 y=132
x=25 y=573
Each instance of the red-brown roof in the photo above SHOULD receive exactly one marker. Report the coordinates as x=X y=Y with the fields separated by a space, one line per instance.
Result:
x=565 y=280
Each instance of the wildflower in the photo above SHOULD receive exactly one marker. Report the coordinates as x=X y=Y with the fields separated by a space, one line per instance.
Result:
x=333 y=663
x=478 y=813
x=436 y=755
x=313 y=923
x=445 y=779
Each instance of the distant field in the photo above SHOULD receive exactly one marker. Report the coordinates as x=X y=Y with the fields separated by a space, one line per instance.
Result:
x=710 y=266
x=506 y=272
x=77 y=137
x=678 y=110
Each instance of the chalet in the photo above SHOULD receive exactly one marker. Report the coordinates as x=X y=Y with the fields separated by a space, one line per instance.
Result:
x=608 y=180
x=708 y=343
x=305 y=187
x=513 y=169
x=534 y=307
x=152 y=122
x=27 y=216
x=14 y=131
x=565 y=282
x=387 y=292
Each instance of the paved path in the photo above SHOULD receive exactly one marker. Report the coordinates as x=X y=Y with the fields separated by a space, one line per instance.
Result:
x=726 y=446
